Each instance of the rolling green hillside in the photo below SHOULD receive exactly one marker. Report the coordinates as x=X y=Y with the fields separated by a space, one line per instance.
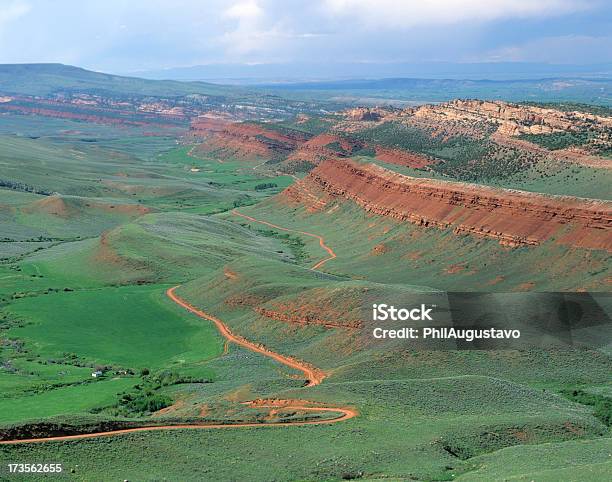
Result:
x=98 y=220
x=46 y=79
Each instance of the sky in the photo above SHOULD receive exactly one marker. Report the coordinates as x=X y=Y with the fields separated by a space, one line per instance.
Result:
x=128 y=36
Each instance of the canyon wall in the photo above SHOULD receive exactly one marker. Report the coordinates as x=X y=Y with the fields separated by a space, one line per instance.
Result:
x=242 y=140
x=514 y=218
x=513 y=119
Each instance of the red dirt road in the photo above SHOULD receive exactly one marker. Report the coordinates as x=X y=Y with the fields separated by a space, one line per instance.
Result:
x=345 y=414
x=313 y=375
x=330 y=251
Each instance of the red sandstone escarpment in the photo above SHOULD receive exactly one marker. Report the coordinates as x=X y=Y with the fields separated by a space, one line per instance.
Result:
x=515 y=218
x=128 y=114
x=322 y=147
x=304 y=319
x=331 y=308
x=97 y=119
x=402 y=158
x=513 y=119
x=243 y=140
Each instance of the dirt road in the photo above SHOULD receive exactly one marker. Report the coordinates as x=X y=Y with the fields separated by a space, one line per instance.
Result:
x=313 y=375
x=320 y=263
x=344 y=414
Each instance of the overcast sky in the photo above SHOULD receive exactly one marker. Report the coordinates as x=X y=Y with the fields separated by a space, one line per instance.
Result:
x=132 y=35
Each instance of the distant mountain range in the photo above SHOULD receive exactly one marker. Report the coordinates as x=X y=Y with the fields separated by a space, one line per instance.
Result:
x=596 y=91
x=46 y=80
x=327 y=71
x=66 y=91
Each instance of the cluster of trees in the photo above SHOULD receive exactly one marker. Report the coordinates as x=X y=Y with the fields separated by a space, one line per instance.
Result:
x=146 y=397
x=265 y=185
x=22 y=186
x=558 y=140
x=602 y=406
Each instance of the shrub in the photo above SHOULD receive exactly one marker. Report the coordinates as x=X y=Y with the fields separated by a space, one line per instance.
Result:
x=265 y=185
x=602 y=405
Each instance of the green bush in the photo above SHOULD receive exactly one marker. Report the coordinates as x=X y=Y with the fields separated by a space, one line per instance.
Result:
x=558 y=140
x=146 y=402
x=265 y=185
x=602 y=405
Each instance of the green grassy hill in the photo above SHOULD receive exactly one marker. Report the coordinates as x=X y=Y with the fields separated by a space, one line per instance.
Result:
x=46 y=79
x=98 y=221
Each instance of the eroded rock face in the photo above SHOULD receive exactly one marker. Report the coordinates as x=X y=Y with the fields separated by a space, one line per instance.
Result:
x=243 y=140
x=513 y=119
x=97 y=109
x=322 y=147
x=515 y=218
x=366 y=114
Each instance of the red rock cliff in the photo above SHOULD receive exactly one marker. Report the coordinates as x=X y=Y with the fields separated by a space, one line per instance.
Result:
x=243 y=140
x=515 y=218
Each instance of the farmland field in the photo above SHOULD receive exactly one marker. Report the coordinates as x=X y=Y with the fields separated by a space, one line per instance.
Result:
x=146 y=329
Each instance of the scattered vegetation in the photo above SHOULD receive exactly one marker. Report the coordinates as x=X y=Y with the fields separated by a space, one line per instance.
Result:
x=464 y=158
x=146 y=397
x=265 y=185
x=602 y=406
x=21 y=186
x=558 y=140
x=574 y=106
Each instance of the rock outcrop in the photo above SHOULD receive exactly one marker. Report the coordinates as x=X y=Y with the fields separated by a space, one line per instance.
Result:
x=513 y=119
x=366 y=114
x=514 y=218
x=243 y=140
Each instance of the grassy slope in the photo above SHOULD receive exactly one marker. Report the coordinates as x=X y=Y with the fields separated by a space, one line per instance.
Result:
x=414 y=408
x=71 y=400
x=47 y=322
x=431 y=256
x=479 y=158
x=546 y=176
x=390 y=438
x=44 y=79
x=569 y=461
x=145 y=330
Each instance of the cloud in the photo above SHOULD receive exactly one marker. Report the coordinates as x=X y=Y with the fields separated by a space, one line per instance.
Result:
x=12 y=10
x=117 y=35
x=558 y=49
x=405 y=14
x=244 y=11
x=248 y=34
x=261 y=28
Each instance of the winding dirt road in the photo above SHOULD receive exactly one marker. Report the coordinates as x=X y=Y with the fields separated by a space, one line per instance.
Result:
x=344 y=414
x=313 y=375
x=330 y=251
